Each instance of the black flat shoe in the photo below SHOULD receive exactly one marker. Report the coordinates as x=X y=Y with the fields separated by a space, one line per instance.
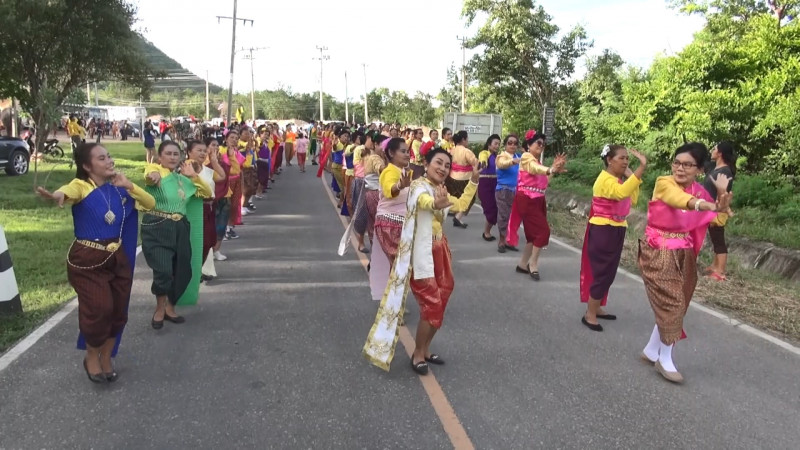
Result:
x=501 y=248
x=175 y=319
x=459 y=224
x=591 y=326
x=512 y=248
x=521 y=270
x=420 y=367
x=488 y=239
x=111 y=376
x=97 y=378
x=607 y=316
x=535 y=275
x=364 y=250
x=157 y=324
x=435 y=359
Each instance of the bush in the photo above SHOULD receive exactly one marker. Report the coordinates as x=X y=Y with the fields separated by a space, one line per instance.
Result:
x=761 y=192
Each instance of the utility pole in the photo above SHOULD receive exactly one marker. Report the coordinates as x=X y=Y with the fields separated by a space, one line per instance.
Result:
x=88 y=95
x=463 y=73
x=206 y=96
x=366 y=110
x=322 y=58
x=96 y=100
x=252 y=79
x=234 y=19
x=346 y=110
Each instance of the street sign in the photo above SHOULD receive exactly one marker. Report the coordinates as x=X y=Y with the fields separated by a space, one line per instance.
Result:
x=549 y=123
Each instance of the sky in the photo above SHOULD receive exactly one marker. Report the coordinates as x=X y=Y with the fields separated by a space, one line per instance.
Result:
x=381 y=34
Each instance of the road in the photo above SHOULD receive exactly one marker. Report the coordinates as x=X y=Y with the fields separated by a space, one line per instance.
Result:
x=271 y=358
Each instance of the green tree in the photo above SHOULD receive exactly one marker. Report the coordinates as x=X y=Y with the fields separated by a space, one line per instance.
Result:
x=51 y=48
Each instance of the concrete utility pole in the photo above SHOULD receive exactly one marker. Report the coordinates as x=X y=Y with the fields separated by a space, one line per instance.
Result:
x=366 y=110
x=346 y=110
x=206 y=96
x=463 y=73
x=234 y=19
x=252 y=79
x=322 y=58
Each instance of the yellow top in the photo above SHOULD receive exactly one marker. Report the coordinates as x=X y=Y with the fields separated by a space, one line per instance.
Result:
x=290 y=137
x=483 y=156
x=236 y=169
x=670 y=192
x=608 y=186
x=78 y=189
x=73 y=128
x=530 y=164
x=504 y=160
x=203 y=190
x=447 y=145
x=81 y=132
x=357 y=154
x=349 y=151
x=418 y=159
x=373 y=164
x=426 y=202
x=463 y=157
x=389 y=177
x=249 y=159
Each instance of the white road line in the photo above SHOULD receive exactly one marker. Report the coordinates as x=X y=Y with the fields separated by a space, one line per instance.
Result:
x=712 y=312
x=16 y=351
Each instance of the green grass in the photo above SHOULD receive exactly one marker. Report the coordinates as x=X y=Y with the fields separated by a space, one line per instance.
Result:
x=40 y=233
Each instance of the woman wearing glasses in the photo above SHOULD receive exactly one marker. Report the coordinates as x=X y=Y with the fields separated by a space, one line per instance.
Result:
x=605 y=233
x=530 y=207
x=507 y=164
x=677 y=218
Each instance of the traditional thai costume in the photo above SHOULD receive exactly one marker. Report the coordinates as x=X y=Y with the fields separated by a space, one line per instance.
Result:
x=324 y=154
x=487 y=185
x=460 y=172
x=507 y=174
x=390 y=215
x=235 y=183
x=360 y=216
x=668 y=253
x=417 y=162
x=605 y=234
x=349 y=174
x=249 y=174
x=208 y=175
x=170 y=247
x=222 y=202
x=530 y=205
x=264 y=164
x=423 y=263
x=101 y=260
x=337 y=170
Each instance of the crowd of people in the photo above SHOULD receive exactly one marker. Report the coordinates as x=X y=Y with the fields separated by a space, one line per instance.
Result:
x=398 y=188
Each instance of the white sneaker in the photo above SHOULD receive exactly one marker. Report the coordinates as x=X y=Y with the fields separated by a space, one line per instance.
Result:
x=218 y=256
x=245 y=212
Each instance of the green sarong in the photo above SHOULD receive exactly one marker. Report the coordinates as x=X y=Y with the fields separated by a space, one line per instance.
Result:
x=194 y=212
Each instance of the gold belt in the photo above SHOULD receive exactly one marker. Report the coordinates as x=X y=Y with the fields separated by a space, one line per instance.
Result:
x=488 y=176
x=111 y=247
x=671 y=235
x=172 y=216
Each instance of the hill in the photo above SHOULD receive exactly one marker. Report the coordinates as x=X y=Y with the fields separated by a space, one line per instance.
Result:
x=178 y=78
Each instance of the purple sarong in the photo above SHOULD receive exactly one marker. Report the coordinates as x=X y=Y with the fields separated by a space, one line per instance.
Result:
x=486 y=188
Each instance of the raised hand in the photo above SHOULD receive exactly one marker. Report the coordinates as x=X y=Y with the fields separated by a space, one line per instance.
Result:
x=405 y=179
x=441 y=200
x=187 y=169
x=120 y=180
x=559 y=163
x=642 y=159
x=721 y=183
x=154 y=177
x=57 y=196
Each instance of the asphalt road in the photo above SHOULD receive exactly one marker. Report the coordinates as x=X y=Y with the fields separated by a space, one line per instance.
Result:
x=271 y=358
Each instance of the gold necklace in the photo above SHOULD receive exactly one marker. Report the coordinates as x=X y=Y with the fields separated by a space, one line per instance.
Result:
x=109 y=217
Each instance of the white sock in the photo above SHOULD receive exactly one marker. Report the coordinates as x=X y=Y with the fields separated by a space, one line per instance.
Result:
x=653 y=346
x=665 y=358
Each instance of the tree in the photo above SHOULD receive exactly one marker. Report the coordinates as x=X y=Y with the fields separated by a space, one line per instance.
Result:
x=51 y=48
x=450 y=94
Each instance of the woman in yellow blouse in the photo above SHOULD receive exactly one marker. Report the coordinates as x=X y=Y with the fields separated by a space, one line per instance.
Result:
x=605 y=233
x=460 y=172
x=100 y=261
x=447 y=139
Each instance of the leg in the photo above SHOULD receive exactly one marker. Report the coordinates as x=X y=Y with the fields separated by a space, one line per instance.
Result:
x=487 y=229
x=525 y=258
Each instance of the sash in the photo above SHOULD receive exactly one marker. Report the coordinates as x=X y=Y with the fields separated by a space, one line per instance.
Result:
x=671 y=228
x=194 y=214
x=460 y=168
x=88 y=218
x=413 y=254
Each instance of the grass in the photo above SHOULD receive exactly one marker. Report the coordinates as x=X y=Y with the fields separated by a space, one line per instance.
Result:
x=752 y=296
x=40 y=233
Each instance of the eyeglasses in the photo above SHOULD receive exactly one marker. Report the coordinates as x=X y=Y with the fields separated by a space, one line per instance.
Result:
x=685 y=165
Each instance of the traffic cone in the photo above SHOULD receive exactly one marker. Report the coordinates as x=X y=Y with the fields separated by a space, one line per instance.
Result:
x=10 y=302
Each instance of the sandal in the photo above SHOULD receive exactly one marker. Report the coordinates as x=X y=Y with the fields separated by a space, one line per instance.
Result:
x=420 y=367
x=717 y=276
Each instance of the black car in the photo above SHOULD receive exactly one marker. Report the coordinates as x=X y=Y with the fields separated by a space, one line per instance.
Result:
x=15 y=155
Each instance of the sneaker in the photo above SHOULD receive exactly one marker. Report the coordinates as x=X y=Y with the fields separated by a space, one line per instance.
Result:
x=249 y=210
x=245 y=212
x=232 y=234
x=250 y=206
x=259 y=197
x=225 y=236
x=218 y=256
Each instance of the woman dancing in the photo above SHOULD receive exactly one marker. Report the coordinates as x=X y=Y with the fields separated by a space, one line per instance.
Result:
x=101 y=260
x=677 y=219
x=605 y=232
x=463 y=162
x=488 y=184
x=507 y=164
x=424 y=263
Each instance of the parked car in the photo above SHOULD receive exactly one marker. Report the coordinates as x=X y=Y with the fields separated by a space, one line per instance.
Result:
x=15 y=155
x=132 y=129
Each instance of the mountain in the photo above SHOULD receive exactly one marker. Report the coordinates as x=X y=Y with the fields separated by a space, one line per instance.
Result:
x=178 y=78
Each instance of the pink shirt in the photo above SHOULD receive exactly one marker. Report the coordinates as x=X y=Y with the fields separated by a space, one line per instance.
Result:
x=301 y=146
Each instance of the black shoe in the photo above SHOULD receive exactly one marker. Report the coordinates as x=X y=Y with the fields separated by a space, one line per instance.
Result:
x=157 y=324
x=591 y=326
x=111 y=376
x=521 y=270
x=501 y=248
x=206 y=278
x=459 y=224
x=96 y=378
x=435 y=359
x=535 y=275
x=369 y=264
x=175 y=319
x=232 y=234
x=364 y=250
x=420 y=367
x=512 y=248
x=314 y=163
x=488 y=239
x=607 y=316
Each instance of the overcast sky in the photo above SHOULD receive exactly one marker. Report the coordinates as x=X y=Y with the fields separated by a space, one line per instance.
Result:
x=379 y=33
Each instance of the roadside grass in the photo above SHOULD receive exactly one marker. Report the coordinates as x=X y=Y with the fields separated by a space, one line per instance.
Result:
x=752 y=296
x=40 y=233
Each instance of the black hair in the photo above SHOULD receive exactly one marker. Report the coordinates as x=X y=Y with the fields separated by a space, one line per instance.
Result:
x=445 y=130
x=165 y=144
x=728 y=153
x=209 y=140
x=536 y=136
x=696 y=150
x=392 y=146
x=83 y=155
x=357 y=138
x=192 y=143
x=612 y=152
x=489 y=141
x=379 y=138
x=435 y=151
x=432 y=131
x=460 y=137
x=512 y=135
x=343 y=131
